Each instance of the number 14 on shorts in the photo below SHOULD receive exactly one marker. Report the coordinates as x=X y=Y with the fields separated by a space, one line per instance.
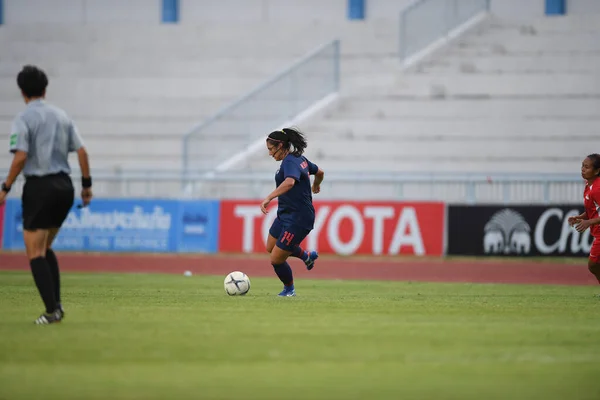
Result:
x=287 y=237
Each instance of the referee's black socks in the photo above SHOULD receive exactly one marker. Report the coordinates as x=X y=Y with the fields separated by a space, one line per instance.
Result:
x=55 y=272
x=44 y=282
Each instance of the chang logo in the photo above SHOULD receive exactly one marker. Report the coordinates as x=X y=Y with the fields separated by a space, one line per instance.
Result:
x=507 y=232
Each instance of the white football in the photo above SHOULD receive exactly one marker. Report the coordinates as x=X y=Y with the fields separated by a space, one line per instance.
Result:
x=237 y=283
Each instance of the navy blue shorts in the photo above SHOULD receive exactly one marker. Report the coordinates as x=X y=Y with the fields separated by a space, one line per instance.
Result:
x=288 y=235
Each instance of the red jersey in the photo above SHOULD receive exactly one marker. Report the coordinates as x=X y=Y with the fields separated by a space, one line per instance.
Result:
x=591 y=202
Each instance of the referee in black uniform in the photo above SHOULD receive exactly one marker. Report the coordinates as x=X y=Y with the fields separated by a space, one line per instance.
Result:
x=41 y=138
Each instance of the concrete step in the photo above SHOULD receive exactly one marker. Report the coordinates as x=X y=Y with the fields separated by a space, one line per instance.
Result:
x=394 y=107
x=448 y=164
x=559 y=23
x=136 y=162
x=515 y=65
x=196 y=108
x=452 y=147
x=240 y=42
x=527 y=39
x=487 y=85
x=172 y=87
x=128 y=146
x=566 y=23
x=218 y=67
x=137 y=128
x=555 y=164
x=159 y=145
x=153 y=66
x=196 y=33
x=344 y=127
x=114 y=52
x=471 y=52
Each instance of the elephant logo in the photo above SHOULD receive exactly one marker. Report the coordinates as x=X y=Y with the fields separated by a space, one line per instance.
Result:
x=507 y=232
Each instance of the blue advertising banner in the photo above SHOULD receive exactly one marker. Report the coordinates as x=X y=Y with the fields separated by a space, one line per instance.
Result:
x=128 y=225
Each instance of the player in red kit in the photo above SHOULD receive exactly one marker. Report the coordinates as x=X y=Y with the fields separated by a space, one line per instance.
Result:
x=590 y=171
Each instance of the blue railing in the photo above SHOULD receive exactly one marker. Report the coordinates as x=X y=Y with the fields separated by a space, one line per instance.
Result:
x=426 y=21
x=279 y=100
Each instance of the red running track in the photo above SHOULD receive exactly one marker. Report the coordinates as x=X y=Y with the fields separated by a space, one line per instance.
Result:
x=411 y=269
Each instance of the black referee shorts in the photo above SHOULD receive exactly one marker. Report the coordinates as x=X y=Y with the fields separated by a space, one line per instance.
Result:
x=46 y=201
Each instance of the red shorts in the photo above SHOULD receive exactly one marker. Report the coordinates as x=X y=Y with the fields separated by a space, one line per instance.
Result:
x=595 y=251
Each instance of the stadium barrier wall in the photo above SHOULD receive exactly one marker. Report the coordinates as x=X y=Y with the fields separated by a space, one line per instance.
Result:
x=2 y=208
x=343 y=227
x=128 y=225
x=520 y=230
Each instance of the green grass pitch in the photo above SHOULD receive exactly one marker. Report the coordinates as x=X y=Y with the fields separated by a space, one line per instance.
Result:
x=135 y=336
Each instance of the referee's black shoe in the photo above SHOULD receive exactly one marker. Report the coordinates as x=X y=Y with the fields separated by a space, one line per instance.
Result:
x=46 y=319
x=61 y=311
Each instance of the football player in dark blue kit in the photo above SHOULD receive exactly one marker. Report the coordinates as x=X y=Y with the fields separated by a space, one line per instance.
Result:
x=295 y=211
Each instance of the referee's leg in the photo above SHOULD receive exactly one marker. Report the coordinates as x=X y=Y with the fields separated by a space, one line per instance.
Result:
x=54 y=269
x=36 y=243
x=46 y=203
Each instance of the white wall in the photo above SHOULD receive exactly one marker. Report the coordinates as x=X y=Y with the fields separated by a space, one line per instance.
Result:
x=385 y=9
x=583 y=7
x=197 y=11
x=82 y=11
x=299 y=10
x=527 y=9
x=518 y=9
x=135 y=11
x=40 y=11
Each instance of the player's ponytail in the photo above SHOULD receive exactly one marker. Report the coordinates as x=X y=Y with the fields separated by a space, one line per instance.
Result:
x=595 y=157
x=289 y=137
x=297 y=139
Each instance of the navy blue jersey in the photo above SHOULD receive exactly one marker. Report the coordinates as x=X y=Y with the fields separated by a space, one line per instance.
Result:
x=296 y=206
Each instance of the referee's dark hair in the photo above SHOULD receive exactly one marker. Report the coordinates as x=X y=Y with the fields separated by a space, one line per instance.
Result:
x=289 y=137
x=595 y=157
x=32 y=81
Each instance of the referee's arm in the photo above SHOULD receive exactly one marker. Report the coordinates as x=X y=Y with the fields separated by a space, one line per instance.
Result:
x=84 y=162
x=18 y=163
x=19 y=146
x=76 y=144
x=86 y=179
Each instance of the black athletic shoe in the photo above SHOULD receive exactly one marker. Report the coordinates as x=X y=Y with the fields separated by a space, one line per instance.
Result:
x=46 y=319
x=61 y=311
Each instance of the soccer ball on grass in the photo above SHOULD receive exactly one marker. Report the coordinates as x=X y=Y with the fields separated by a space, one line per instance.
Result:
x=237 y=283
